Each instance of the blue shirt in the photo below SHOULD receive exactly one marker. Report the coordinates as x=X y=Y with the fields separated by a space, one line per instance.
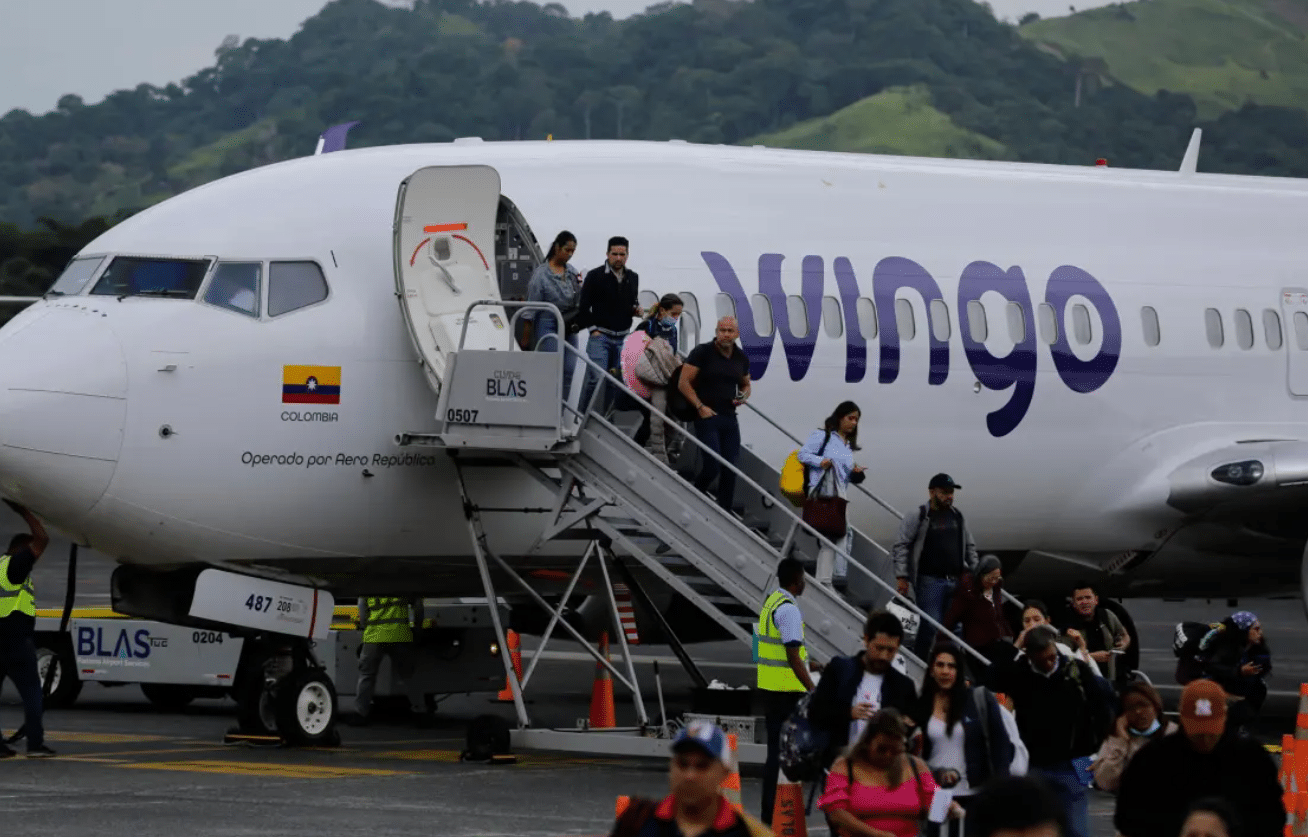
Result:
x=547 y=286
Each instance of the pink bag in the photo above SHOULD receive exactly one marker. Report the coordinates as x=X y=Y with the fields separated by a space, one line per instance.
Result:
x=632 y=349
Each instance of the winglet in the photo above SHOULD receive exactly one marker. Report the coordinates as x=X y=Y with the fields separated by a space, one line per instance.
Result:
x=1190 y=162
x=333 y=139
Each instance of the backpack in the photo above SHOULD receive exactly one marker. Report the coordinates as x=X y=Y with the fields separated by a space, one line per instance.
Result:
x=488 y=737
x=657 y=362
x=1100 y=711
x=793 y=475
x=1185 y=647
x=679 y=407
x=804 y=745
x=1021 y=757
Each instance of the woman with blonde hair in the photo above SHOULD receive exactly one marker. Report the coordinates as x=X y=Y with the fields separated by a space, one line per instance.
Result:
x=651 y=349
x=876 y=789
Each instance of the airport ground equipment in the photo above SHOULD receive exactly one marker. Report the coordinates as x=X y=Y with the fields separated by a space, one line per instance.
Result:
x=504 y=408
x=174 y=664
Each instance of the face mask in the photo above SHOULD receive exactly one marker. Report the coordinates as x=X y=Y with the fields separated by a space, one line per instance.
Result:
x=1152 y=729
x=668 y=322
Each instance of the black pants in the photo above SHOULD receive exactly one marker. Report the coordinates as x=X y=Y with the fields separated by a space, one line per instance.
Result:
x=18 y=663
x=777 y=707
x=720 y=434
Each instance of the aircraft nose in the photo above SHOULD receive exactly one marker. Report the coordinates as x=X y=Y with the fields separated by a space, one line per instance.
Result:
x=63 y=404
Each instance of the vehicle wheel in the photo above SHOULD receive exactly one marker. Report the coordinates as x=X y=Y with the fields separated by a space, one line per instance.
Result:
x=168 y=696
x=65 y=686
x=306 y=708
x=254 y=708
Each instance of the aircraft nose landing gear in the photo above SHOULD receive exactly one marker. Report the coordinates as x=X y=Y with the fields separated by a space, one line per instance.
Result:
x=285 y=696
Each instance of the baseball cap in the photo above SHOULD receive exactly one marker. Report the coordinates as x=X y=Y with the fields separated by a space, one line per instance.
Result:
x=943 y=481
x=1203 y=708
x=705 y=736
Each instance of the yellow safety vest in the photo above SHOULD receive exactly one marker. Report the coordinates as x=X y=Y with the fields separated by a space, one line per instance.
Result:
x=388 y=621
x=774 y=672
x=15 y=598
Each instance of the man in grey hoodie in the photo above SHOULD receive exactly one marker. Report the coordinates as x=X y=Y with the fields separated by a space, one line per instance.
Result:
x=932 y=551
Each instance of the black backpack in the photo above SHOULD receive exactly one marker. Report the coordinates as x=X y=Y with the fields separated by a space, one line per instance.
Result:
x=1185 y=646
x=679 y=407
x=488 y=739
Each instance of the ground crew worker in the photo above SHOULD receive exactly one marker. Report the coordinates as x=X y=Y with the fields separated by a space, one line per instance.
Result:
x=783 y=666
x=18 y=629
x=387 y=631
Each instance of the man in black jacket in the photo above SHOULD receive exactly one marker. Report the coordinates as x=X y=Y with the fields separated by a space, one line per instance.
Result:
x=1063 y=712
x=851 y=689
x=1169 y=774
x=609 y=299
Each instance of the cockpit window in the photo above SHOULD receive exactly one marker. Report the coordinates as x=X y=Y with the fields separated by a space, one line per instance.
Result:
x=134 y=276
x=294 y=285
x=74 y=278
x=235 y=286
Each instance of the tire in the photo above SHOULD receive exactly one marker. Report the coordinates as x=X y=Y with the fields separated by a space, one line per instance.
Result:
x=306 y=708
x=168 y=696
x=65 y=687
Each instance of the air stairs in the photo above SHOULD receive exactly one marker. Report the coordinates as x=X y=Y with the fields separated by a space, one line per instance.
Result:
x=642 y=519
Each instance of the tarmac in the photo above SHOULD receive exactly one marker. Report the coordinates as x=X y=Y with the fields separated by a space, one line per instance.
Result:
x=125 y=767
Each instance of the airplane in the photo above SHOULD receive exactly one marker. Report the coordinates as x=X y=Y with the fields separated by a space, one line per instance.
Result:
x=1113 y=363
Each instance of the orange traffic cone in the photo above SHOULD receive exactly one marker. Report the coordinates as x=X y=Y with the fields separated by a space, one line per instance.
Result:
x=1287 y=761
x=515 y=654
x=623 y=803
x=603 y=715
x=788 y=812
x=730 y=787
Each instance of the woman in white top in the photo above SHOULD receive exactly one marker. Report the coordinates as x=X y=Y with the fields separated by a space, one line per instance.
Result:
x=964 y=744
x=1070 y=644
x=828 y=457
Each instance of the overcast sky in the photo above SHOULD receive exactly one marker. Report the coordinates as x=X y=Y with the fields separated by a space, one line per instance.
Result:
x=94 y=47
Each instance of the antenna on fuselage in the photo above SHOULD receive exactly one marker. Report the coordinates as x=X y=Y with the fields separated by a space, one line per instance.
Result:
x=1190 y=162
x=333 y=139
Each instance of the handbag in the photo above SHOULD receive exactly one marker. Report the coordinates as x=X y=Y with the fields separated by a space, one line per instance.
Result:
x=826 y=514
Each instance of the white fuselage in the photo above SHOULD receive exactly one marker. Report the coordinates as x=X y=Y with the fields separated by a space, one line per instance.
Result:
x=1080 y=472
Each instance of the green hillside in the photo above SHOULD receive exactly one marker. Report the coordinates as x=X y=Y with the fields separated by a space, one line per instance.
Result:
x=898 y=120
x=1223 y=53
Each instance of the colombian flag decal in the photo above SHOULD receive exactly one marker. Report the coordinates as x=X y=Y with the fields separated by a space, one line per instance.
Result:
x=311 y=384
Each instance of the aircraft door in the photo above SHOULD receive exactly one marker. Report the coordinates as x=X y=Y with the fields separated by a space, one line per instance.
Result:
x=1294 y=313
x=444 y=251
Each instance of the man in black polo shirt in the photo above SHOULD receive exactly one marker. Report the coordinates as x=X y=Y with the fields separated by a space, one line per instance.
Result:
x=608 y=301
x=715 y=380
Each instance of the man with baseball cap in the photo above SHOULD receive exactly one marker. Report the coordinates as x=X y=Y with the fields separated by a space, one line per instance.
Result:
x=1170 y=773
x=701 y=761
x=931 y=553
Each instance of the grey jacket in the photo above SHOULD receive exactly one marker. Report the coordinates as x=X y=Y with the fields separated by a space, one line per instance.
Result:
x=907 y=550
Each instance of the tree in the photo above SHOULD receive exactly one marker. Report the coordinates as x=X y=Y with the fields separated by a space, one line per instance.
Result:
x=624 y=96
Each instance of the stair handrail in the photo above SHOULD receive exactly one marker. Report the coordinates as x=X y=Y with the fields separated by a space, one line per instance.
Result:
x=609 y=380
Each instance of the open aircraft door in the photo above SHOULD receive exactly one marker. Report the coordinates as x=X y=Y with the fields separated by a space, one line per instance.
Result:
x=444 y=256
x=1294 y=312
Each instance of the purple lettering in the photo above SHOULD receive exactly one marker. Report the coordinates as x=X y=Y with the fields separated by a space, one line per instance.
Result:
x=1083 y=375
x=891 y=275
x=1018 y=368
x=855 y=342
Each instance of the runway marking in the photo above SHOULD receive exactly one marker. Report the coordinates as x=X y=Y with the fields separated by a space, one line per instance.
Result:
x=110 y=737
x=204 y=748
x=244 y=768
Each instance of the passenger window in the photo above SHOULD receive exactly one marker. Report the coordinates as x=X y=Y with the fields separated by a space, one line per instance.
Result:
x=294 y=285
x=1301 y=330
x=172 y=278
x=761 y=307
x=725 y=305
x=866 y=310
x=797 y=312
x=1272 y=329
x=904 y=319
x=1016 y=322
x=1213 y=325
x=235 y=286
x=74 y=278
x=1244 y=336
x=831 y=319
x=1081 y=324
x=939 y=316
x=1048 y=324
x=977 y=327
x=1149 y=320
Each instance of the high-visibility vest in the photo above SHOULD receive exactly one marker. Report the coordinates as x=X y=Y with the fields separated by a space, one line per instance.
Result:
x=388 y=621
x=15 y=598
x=774 y=672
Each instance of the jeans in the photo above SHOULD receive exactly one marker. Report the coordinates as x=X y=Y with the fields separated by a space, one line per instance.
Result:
x=18 y=663
x=720 y=434
x=606 y=351
x=777 y=707
x=1071 y=794
x=402 y=660
x=933 y=597
x=549 y=342
x=831 y=565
